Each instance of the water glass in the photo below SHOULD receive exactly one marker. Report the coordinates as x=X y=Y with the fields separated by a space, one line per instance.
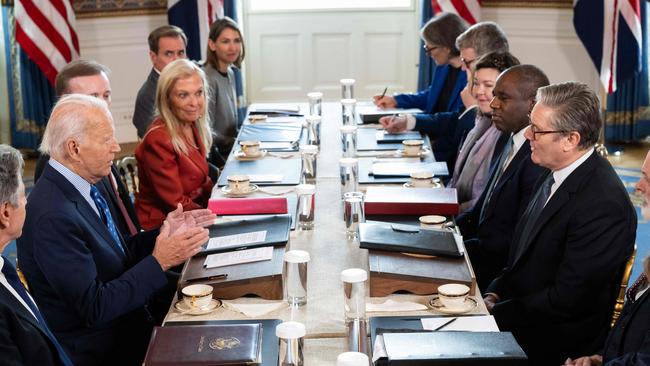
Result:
x=295 y=277
x=315 y=103
x=292 y=342
x=349 y=141
x=309 y=154
x=305 y=206
x=347 y=88
x=353 y=213
x=352 y=359
x=348 y=107
x=354 y=294
x=313 y=129
x=349 y=169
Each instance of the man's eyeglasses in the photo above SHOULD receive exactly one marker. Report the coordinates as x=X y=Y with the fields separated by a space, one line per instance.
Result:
x=428 y=50
x=467 y=63
x=536 y=131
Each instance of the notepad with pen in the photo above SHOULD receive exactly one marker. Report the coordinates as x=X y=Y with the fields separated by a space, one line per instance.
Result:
x=248 y=234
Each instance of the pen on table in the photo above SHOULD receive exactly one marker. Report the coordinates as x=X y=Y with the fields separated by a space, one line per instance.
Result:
x=222 y=276
x=384 y=93
x=445 y=324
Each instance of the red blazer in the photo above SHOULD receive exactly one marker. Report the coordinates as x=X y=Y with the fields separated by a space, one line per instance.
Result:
x=167 y=177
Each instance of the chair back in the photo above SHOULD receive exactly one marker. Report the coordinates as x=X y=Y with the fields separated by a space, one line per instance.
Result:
x=620 y=299
x=128 y=169
x=22 y=277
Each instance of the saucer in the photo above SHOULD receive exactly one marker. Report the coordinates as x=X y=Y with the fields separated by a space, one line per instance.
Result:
x=251 y=188
x=418 y=255
x=183 y=308
x=239 y=155
x=423 y=152
x=435 y=304
x=409 y=185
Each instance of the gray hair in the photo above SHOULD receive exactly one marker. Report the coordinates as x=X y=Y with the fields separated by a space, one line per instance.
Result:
x=575 y=108
x=442 y=31
x=11 y=167
x=70 y=120
x=483 y=37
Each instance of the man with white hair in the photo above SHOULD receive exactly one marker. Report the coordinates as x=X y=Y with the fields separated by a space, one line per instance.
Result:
x=91 y=284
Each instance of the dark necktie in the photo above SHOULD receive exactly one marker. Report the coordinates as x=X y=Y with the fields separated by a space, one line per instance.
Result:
x=639 y=284
x=105 y=214
x=505 y=156
x=12 y=277
x=534 y=210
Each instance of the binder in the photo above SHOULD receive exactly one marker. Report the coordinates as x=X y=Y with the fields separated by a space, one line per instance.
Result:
x=384 y=137
x=290 y=169
x=277 y=229
x=411 y=201
x=406 y=238
x=292 y=207
x=287 y=132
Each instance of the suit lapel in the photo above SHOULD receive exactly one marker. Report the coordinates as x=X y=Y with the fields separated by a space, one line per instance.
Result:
x=13 y=303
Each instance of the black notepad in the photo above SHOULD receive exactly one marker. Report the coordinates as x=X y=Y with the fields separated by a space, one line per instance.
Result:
x=406 y=238
x=277 y=229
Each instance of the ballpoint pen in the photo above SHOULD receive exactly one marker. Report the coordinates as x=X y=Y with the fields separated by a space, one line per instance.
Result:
x=222 y=276
x=384 y=93
x=445 y=324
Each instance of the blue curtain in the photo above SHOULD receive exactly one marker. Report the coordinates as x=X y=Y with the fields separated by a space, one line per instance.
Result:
x=628 y=109
x=425 y=71
x=230 y=10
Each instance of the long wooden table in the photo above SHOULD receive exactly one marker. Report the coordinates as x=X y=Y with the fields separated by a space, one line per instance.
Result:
x=330 y=253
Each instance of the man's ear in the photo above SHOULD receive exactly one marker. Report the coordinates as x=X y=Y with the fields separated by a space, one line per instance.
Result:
x=72 y=149
x=5 y=214
x=152 y=56
x=573 y=141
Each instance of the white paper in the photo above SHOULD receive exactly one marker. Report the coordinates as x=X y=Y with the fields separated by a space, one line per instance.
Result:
x=405 y=169
x=265 y=177
x=378 y=349
x=408 y=135
x=392 y=305
x=237 y=240
x=276 y=145
x=238 y=257
x=485 y=323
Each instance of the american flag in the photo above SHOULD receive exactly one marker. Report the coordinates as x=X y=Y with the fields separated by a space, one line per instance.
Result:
x=611 y=32
x=470 y=10
x=195 y=18
x=45 y=29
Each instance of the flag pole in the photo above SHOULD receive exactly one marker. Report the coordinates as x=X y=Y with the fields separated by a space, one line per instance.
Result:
x=600 y=146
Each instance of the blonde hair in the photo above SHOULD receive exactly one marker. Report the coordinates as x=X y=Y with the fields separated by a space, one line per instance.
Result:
x=176 y=70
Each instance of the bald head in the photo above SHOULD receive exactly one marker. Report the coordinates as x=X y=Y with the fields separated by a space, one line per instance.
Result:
x=529 y=78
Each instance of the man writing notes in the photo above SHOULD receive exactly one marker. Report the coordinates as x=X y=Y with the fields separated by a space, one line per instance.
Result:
x=92 y=285
x=557 y=293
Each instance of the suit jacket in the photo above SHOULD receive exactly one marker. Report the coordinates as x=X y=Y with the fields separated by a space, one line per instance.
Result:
x=105 y=187
x=22 y=340
x=631 y=333
x=91 y=294
x=488 y=233
x=168 y=177
x=145 y=104
x=558 y=291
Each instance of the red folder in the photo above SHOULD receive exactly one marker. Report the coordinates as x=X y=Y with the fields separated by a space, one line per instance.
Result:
x=411 y=201
x=248 y=206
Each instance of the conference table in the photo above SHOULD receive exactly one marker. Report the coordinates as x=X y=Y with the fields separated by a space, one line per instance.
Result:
x=331 y=252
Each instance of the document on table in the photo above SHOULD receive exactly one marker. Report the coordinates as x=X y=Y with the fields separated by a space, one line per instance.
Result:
x=255 y=178
x=236 y=240
x=484 y=323
x=276 y=145
x=238 y=257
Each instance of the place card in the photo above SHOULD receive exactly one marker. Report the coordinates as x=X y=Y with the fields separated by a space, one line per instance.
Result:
x=236 y=240
x=238 y=257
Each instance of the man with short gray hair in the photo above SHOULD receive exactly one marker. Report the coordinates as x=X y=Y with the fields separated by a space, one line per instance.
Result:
x=558 y=289
x=91 y=284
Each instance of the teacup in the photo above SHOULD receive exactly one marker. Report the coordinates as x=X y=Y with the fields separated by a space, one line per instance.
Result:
x=422 y=179
x=412 y=147
x=250 y=147
x=239 y=183
x=432 y=221
x=453 y=295
x=197 y=296
x=253 y=118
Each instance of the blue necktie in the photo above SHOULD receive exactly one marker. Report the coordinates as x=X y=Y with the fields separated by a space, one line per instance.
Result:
x=12 y=277
x=105 y=214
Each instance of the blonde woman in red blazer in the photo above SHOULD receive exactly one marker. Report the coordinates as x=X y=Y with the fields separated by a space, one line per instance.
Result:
x=172 y=164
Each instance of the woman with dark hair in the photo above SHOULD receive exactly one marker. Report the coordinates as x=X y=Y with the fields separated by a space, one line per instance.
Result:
x=471 y=172
x=225 y=51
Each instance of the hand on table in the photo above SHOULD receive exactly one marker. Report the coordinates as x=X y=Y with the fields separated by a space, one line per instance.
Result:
x=490 y=301
x=393 y=124
x=384 y=102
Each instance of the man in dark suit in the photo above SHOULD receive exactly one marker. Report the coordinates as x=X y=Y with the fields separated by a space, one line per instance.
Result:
x=557 y=293
x=25 y=338
x=91 y=78
x=91 y=284
x=628 y=343
x=489 y=226
x=166 y=44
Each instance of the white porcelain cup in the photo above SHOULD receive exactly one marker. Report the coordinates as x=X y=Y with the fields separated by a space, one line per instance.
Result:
x=197 y=296
x=432 y=221
x=422 y=179
x=453 y=295
x=239 y=183
x=250 y=147
x=412 y=147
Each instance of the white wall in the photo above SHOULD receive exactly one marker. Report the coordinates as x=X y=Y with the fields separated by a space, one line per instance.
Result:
x=288 y=55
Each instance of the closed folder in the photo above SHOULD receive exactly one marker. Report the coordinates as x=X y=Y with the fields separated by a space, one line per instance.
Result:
x=277 y=229
x=407 y=238
x=411 y=201
x=290 y=169
x=287 y=132
x=248 y=206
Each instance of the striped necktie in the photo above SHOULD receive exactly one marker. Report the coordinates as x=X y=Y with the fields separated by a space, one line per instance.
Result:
x=105 y=214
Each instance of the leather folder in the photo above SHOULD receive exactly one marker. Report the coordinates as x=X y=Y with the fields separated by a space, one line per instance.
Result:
x=277 y=229
x=384 y=137
x=222 y=344
x=287 y=132
x=248 y=206
x=408 y=239
x=372 y=114
x=367 y=141
x=270 y=342
x=411 y=201
x=292 y=207
x=291 y=169
x=381 y=170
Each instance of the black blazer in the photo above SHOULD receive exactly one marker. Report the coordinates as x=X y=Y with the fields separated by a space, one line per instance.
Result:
x=22 y=340
x=91 y=294
x=631 y=333
x=488 y=236
x=558 y=290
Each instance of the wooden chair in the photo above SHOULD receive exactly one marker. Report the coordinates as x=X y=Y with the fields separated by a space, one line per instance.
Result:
x=620 y=299
x=128 y=169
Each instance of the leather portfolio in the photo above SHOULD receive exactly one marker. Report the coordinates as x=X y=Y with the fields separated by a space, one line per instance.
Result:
x=286 y=132
x=418 y=274
x=393 y=169
x=248 y=206
x=292 y=207
x=275 y=232
x=270 y=342
x=224 y=344
x=384 y=137
x=367 y=141
x=411 y=201
x=372 y=114
x=288 y=169
x=407 y=238
x=292 y=111
x=366 y=176
x=263 y=279
x=453 y=348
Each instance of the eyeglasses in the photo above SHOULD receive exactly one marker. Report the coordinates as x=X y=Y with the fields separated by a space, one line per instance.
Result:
x=467 y=63
x=428 y=50
x=535 y=131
